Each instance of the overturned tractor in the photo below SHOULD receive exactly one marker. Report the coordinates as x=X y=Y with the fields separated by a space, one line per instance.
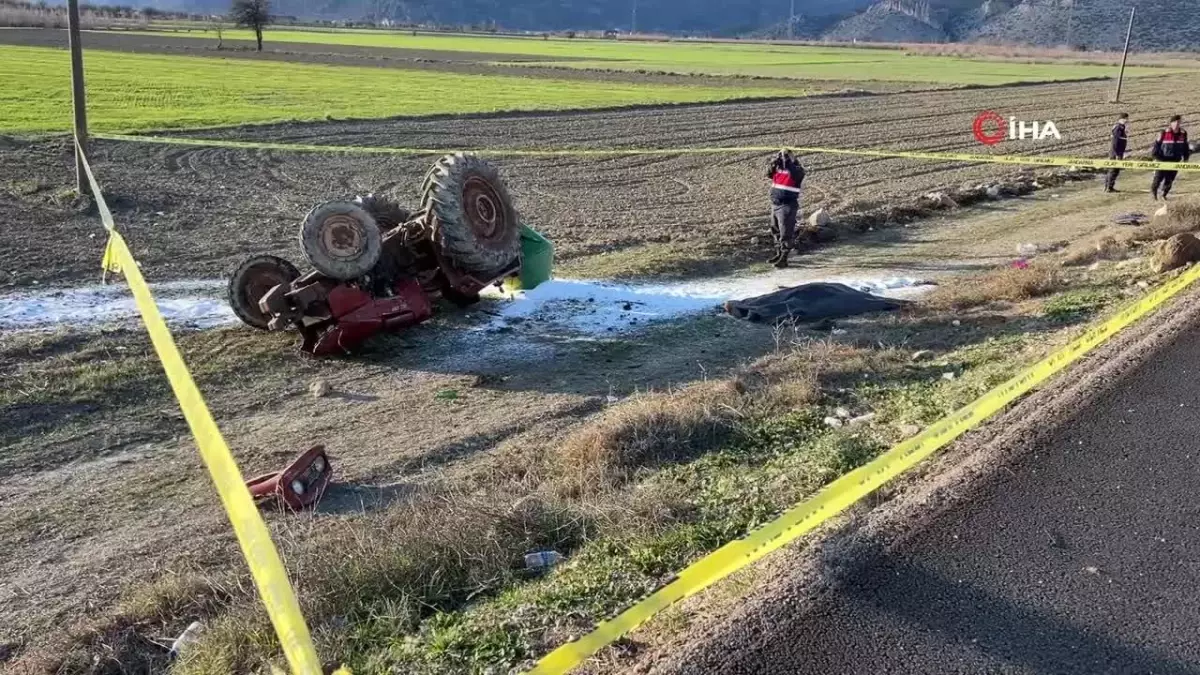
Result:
x=378 y=267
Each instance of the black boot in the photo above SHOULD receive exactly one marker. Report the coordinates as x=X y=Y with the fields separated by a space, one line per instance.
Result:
x=782 y=262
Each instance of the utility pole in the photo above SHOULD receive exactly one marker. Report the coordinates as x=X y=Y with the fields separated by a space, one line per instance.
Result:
x=1125 y=55
x=633 y=19
x=78 y=94
x=792 y=22
x=1070 y=20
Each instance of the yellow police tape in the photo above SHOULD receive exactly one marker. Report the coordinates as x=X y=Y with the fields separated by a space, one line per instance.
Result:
x=794 y=523
x=849 y=489
x=261 y=556
x=1023 y=160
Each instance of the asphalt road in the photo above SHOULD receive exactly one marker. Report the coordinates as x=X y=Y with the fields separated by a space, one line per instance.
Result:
x=1083 y=558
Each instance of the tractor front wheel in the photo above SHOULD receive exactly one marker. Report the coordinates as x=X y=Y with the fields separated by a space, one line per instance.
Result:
x=251 y=281
x=341 y=239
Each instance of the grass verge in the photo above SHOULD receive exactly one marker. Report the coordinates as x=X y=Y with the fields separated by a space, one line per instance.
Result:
x=436 y=582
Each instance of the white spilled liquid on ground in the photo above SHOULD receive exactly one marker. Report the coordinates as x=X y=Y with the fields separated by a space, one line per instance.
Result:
x=194 y=304
x=574 y=305
x=592 y=306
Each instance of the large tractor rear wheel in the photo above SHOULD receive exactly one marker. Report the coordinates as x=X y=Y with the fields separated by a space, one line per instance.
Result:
x=387 y=213
x=251 y=280
x=341 y=239
x=475 y=225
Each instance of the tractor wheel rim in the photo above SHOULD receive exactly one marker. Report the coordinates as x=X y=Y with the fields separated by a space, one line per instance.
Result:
x=343 y=237
x=258 y=281
x=483 y=210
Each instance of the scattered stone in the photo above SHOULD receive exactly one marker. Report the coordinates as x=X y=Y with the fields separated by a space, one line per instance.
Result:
x=922 y=355
x=755 y=241
x=861 y=419
x=993 y=192
x=319 y=389
x=842 y=413
x=1176 y=252
x=956 y=322
x=948 y=376
x=627 y=306
x=1091 y=570
x=611 y=399
x=818 y=219
x=834 y=422
x=909 y=430
x=1162 y=211
x=941 y=200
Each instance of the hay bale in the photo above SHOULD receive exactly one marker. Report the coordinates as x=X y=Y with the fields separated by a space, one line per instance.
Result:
x=1179 y=250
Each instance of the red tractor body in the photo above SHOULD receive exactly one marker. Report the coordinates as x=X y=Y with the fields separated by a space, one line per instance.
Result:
x=380 y=269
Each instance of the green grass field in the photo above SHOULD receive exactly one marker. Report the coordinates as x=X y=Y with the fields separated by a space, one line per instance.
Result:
x=136 y=91
x=797 y=62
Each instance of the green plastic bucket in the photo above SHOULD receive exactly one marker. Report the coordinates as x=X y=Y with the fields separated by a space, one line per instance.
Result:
x=537 y=261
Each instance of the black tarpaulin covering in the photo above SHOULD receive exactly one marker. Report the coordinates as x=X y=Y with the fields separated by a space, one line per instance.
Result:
x=809 y=302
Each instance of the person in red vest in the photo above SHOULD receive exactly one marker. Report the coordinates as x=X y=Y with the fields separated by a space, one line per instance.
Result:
x=785 y=174
x=1170 y=146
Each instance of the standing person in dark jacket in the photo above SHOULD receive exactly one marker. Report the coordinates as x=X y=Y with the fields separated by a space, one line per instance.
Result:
x=1120 y=139
x=786 y=174
x=1170 y=146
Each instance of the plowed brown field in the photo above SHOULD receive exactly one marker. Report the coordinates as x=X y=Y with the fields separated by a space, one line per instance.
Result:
x=196 y=211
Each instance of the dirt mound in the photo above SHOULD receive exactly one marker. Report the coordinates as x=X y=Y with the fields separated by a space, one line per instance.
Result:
x=863 y=215
x=1176 y=252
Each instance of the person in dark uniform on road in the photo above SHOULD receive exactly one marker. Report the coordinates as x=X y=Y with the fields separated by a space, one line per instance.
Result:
x=1120 y=139
x=1170 y=146
x=786 y=175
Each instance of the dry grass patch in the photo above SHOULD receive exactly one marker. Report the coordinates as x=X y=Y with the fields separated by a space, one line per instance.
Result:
x=1005 y=284
x=1182 y=216
x=137 y=636
x=656 y=428
x=1108 y=248
x=647 y=430
x=387 y=572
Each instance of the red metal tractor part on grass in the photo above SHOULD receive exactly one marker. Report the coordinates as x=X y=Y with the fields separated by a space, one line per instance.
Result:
x=299 y=485
x=378 y=267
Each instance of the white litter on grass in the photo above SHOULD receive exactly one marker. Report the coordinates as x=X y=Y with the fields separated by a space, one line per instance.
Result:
x=599 y=307
x=198 y=304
